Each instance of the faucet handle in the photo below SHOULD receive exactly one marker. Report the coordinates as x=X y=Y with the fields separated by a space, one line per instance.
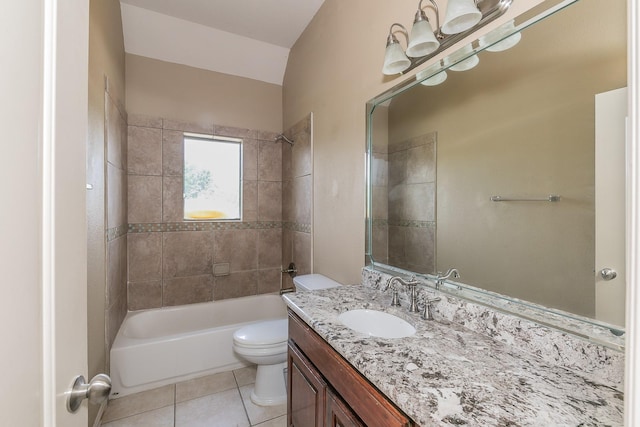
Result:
x=428 y=305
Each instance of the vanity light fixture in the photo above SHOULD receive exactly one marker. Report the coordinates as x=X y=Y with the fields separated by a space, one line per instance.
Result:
x=395 y=61
x=435 y=79
x=423 y=41
x=465 y=64
x=498 y=34
x=461 y=18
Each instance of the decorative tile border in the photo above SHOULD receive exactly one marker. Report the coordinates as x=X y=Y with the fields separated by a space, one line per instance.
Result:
x=114 y=233
x=202 y=226
x=403 y=223
x=296 y=226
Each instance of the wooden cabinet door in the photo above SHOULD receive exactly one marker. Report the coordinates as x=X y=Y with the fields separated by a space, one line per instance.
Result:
x=307 y=392
x=338 y=414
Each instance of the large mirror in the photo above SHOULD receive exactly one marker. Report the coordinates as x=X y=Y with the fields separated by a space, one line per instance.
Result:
x=512 y=171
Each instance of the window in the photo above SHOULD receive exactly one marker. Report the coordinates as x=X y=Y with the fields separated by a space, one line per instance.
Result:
x=212 y=178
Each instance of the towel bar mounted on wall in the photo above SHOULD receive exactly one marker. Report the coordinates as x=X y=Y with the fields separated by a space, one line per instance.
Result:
x=549 y=198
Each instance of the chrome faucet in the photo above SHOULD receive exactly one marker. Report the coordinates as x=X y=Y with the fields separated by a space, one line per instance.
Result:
x=411 y=283
x=452 y=272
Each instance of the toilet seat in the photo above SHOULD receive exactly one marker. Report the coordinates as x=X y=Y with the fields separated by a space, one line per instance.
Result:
x=264 y=335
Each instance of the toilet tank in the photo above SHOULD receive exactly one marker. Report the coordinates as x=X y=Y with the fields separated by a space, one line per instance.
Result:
x=313 y=282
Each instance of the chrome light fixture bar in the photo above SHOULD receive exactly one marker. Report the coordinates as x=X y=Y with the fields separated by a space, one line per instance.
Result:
x=462 y=18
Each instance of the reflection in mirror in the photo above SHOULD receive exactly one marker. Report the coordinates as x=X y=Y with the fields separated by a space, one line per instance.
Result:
x=521 y=125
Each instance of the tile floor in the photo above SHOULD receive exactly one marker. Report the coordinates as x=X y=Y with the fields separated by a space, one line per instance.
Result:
x=216 y=400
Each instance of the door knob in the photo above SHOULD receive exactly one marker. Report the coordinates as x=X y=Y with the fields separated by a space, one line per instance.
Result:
x=96 y=391
x=608 y=273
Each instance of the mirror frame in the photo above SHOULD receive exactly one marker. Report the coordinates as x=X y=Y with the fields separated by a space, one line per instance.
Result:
x=595 y=331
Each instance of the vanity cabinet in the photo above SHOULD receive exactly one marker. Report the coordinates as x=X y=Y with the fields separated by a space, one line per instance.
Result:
x=325 y=390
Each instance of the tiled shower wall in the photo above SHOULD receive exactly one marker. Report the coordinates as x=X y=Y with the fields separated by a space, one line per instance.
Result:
x=116 y=207
x=297 y=190
x=171 y=260
x=404 y=204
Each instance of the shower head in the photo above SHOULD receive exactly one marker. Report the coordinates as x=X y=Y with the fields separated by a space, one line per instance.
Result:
x=281 y=136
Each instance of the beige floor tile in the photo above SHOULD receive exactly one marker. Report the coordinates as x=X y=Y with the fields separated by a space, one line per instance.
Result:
x=276 y=422
x=203 y=386
x=162 y=417
x=138 y=403
x=222 y=409
x=258 y=414
x=245 y=376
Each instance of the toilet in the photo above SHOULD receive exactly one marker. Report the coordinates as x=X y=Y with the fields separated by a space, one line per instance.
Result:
x=265 y=344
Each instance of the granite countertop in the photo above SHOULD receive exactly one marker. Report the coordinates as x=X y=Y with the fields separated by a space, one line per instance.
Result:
x=446 y=374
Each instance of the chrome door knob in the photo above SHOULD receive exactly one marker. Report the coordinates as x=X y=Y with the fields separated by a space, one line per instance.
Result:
x=96 y=391
x=608 y=273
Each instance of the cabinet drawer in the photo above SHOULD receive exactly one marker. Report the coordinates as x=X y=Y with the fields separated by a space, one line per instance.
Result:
x=369 y=404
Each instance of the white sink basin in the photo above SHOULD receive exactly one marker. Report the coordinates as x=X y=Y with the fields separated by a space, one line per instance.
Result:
x=376 y=324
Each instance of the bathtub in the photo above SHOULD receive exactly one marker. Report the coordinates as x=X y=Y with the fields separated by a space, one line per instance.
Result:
x=167 y=345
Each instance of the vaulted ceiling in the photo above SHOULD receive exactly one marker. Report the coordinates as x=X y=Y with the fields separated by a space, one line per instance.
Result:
x=246 y=38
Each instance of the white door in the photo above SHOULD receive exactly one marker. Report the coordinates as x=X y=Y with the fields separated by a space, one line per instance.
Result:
x=611 y=112
x=43 y=116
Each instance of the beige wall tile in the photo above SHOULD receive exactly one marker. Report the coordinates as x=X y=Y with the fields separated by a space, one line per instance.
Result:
x=237 y=247
x=145 y=198
x=172 y=199
x=116 y=269
x=380 y=242
x=115 y=122
x=187 y=290
x=249 y=200
x=269 y=248
x=145 y=151
x=269 y=161
x=302 y=191
x=269 y=201
x=380 y=169
x=419 y=202
x=172 y=152
x=287 y=159
x=235 y=285
x=380 y=202
x=234 y=132
x=116 y=196
x=269 y=280
x=301 y=162
x=265 y=135
x=204 y=128
x=302 y=252
x=419 y=249
x=250 y=159
x=145 y=256
x=421 y=164
x=288 y=213
x=144 y=121
x=115 y=315
x=145 y=295
x=187 y=253
x=396 y=245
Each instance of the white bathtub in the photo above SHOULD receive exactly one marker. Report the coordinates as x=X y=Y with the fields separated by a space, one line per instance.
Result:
x=166 y=345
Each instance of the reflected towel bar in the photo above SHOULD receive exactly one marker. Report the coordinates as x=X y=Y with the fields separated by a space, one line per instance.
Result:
x=549 y=198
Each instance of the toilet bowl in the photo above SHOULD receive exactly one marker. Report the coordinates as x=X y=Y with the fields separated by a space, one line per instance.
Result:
x=265 y=344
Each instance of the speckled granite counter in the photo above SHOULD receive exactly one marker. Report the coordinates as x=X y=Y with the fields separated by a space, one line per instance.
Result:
x=447 y=374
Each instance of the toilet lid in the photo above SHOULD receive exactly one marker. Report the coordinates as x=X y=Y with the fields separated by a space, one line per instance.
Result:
x=262 y=333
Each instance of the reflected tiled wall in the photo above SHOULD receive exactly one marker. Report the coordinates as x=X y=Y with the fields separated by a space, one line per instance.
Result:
x=411 y=210
x=116 y=206
x=297 y=191
x=171 y=261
